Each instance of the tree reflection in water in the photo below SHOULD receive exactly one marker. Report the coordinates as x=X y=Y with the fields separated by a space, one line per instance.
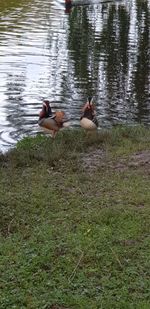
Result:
x=100 y=50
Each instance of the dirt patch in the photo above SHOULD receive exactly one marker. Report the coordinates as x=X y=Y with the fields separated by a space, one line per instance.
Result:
x=93 y=159
x=137 y=160
x=140 y=159
x=98 y=159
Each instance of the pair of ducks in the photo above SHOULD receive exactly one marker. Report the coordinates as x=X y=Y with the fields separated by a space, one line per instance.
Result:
x=52 y=123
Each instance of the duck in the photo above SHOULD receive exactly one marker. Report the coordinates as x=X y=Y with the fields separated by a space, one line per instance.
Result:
x=88 y=119
x=50 y=122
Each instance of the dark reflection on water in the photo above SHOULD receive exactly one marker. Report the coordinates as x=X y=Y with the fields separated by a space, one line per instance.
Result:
x=100 y=49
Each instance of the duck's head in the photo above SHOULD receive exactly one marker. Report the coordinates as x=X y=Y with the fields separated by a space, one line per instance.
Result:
x=90 y=103
x=46 y=105
x=46 y=109
x=90 y=100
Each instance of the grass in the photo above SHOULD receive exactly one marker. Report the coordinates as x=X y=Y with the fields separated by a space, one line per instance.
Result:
x=75 y=221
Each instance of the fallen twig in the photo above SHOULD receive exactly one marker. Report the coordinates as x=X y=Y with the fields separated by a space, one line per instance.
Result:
x=117 y=258
x=74 y=271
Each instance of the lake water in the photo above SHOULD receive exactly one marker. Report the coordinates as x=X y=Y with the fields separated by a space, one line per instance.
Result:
x=98 y=48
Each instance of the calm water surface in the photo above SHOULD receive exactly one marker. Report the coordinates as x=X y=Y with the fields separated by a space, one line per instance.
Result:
x=100 y=49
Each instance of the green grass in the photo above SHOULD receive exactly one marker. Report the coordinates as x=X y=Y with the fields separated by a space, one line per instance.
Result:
x=75 y=221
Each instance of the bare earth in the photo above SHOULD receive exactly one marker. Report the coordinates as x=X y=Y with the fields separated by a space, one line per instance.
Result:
x=99 y=158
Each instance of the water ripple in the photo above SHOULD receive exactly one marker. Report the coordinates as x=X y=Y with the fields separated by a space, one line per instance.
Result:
x=100 y=49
